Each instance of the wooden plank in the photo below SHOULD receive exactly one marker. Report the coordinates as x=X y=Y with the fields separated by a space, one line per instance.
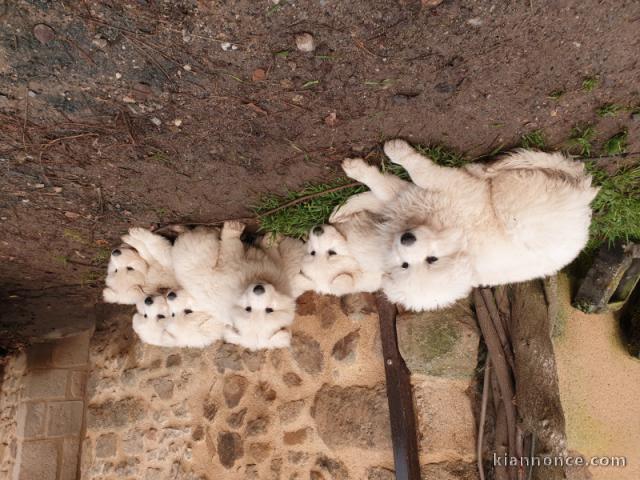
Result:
x=399 y=395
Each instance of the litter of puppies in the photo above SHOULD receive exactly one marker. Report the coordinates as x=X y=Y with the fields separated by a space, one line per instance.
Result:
x=425 y=243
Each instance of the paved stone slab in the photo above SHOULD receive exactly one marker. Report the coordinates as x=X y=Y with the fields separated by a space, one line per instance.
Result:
x=31 y=419
x=46 y=384
x=65 y=418
x=38 y=460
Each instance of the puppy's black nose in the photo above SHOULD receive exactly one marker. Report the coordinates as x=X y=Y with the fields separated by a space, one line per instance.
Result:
x=116 y=252
x=407 y=239
x=172 y=296
x=317 y=231
x=148 y=301
x=258 y=289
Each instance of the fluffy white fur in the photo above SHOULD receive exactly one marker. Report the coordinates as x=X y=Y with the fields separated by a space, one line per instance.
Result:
x=150 y=321
x=222 y=276
x=141 y=267
x=190 y=328
x=524 y=216
x=344 y=257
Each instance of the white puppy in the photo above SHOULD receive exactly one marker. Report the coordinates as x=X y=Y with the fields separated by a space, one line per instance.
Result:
x=248 y=288
x=150 y=321
x=341 y=258
x=139 y=268
x=126 y=277
x=190 y=328
x=525 y=216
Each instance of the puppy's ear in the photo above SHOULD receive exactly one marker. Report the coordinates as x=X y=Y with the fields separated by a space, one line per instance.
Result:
x=343 y=284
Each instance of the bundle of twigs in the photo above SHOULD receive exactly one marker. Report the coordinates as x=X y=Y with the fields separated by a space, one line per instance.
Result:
x=520 y=383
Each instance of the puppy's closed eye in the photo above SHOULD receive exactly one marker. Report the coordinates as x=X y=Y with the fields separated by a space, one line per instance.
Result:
x=332 y=253
x=130 y=269
x=431 y=260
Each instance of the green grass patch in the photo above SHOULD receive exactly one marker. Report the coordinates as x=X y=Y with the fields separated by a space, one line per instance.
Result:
x=616 y=209
x=534 y=139
x=609 y=110
x=101 y=256
x=555 y=94
x=581 y=140
x=616 y=144
x=590 y=83
x=297 y=220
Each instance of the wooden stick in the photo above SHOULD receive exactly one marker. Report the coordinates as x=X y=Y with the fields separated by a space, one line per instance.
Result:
x=400 y=398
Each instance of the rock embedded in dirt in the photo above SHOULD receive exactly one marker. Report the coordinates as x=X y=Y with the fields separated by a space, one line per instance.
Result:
x=230 y=448
x=259 y=451
x=353 y=417
x=290 y=411
x=233 y=389
x=442 y=342
x=307 y=353
x=380 y=473
x=305 y=42
x=345 y=348
x=112 y=414
x=44 y=33
x=296 y=437
x=335 y=468
x=258 y=75
x=235 y=420
x=257 y=426
x=163 y=387
x=291 y=379
x=228 y=356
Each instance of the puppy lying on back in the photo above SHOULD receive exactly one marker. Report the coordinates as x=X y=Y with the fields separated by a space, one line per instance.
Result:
x=248 y=288
x=525 y=216
x=139 y=268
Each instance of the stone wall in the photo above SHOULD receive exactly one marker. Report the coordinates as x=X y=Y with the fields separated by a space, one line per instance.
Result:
x=10 y=391
x=51 y=410
x=315 y=411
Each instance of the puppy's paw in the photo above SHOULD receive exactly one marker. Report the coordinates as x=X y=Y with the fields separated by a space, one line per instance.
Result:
x=397 y=149
x=232 y=229
x=355 y=168
x=271 y=240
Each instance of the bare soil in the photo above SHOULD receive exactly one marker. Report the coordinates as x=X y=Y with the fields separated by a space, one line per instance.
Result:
x=121 y=113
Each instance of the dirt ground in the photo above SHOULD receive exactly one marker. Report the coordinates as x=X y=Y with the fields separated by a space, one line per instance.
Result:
x=120 y=113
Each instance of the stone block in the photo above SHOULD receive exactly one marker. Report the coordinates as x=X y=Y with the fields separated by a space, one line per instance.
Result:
x=39 y=355
x=445 y=419
x=37 y=460
x=353 y=417
x=65 y=418
x=443 y=342
x=77 y=384
x=72 y=351
x=46 y=384
x=31 y=419
x=106 y=445
x=69 y=459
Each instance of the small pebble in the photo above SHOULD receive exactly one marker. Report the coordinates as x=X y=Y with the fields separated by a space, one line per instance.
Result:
x=187 y=67
x=331 y=120
x=156 y=121
x=39 y=185
x=118 y=75
x=127 y=99
x=305 y=42
x=177 y=122
x=57 y=189
x=476 y=22
x=43 y=33
x=258 y=75
x=226 y=46
x=99 y=42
